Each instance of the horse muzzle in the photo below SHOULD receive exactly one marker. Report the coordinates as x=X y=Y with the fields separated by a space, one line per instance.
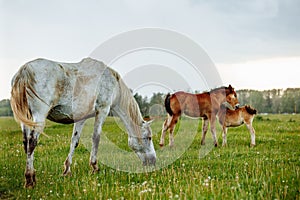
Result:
x=150 y=160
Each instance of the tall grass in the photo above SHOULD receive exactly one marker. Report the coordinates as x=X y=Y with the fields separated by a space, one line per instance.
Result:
x=271 y=170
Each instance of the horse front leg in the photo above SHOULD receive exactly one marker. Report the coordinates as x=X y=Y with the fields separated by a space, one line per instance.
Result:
x=30 y=138
x=101 y=114
x=204 y=130
x=224 y=136
x=77 y=129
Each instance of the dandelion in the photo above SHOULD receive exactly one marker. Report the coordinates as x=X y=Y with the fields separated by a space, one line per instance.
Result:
x=144 y=191
x=206 y=182
x=144 y=183
x=237 y=176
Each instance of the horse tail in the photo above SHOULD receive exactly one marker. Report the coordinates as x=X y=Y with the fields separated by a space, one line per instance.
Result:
x=22 y=87
x=250 y=110
x=167 y=105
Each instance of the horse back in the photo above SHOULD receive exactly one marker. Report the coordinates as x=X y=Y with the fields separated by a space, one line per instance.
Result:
x=193 y=105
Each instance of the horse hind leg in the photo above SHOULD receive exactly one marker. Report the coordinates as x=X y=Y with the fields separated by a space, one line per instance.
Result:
x=204 y=130
x=165 y=127
x=172 y=128
x=77 y=129
x=30 y=138
x=213 y=129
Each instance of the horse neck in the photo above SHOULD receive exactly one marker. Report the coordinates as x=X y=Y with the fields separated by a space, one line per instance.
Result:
x=220 y=95
x=128 y=110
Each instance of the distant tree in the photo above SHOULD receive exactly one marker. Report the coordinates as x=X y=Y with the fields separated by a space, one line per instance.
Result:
x=157 y=98
x=290 y=100
x=5 y=108
x=143 y=104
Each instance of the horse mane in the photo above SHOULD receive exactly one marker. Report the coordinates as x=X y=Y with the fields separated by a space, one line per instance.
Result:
x=22 y=87
x=227 y=90
x=218 y=88
x=128 y=104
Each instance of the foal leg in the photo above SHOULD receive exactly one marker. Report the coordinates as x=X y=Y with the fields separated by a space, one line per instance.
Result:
x=30 y=138
x=252 y=133
x=101 y=114
x=74 y=143
x=165 y=127
x=204 y=130
x=224 y=136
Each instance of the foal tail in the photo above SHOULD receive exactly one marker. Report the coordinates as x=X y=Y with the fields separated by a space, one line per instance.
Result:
x=167 y=105
x=250 y=110
x=22 y=87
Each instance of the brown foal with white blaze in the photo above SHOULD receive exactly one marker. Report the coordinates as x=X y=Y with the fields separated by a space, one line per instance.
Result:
x=205 y=105
x=234 y=118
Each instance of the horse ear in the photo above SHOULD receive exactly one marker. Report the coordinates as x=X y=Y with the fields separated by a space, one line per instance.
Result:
x=150 y=121
x=230 y=88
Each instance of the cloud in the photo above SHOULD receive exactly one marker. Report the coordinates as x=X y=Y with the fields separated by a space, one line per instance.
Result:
x=230 y=31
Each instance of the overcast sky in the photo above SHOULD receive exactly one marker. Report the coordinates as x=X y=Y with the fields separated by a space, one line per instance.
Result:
x=254 y=43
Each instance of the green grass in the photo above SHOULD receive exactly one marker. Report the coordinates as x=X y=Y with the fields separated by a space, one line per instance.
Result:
x=271 y=170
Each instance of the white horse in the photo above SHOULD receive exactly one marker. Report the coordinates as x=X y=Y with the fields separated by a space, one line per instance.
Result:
x=71 y=93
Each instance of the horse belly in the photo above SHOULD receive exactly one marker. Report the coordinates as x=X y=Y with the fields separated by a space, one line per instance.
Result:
x=233 y=122
x=67 y=115
x=61 y=114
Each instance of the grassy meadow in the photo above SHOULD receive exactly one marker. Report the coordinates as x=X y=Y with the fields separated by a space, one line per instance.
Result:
x=270 y=170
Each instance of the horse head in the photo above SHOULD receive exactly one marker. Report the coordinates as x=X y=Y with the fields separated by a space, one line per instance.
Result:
x=143 y=145
x=231 y=97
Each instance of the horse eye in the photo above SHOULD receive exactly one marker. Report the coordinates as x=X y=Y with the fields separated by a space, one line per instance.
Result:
x=149 y=138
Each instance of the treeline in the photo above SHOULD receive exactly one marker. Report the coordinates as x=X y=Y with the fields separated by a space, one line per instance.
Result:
x=5 y=109
x=267 y=101
x=272 y=101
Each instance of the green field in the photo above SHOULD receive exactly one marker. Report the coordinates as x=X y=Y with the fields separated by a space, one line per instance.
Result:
x=271 y=170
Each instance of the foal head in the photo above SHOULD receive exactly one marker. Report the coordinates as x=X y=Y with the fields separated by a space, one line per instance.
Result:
x=231 y=97
x=143 y=145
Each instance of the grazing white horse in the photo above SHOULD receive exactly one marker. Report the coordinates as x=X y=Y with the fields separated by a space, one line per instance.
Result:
x=71 y=93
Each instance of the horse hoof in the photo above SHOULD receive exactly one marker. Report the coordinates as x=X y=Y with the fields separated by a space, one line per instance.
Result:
x=68 y=173
x=161 y=145
x=95 y=171
x=252 y=145
x=216 y=145
x=29 y=185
